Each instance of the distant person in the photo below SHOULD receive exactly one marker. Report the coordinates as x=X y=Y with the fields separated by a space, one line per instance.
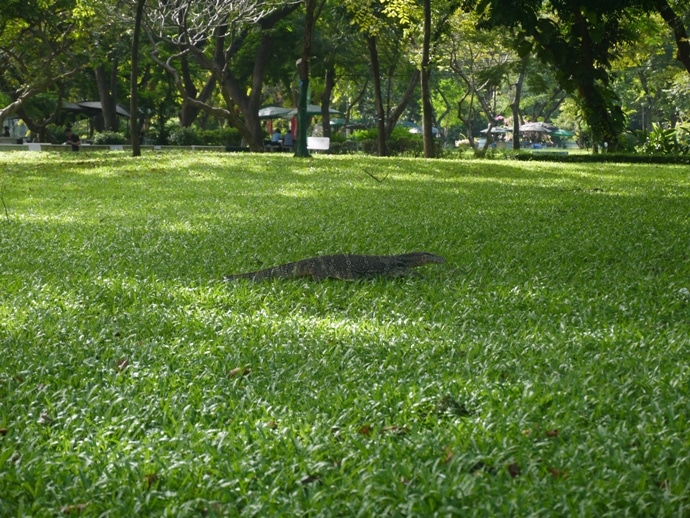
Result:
x=73 y=139
x=288 y=141
x=6 y=131
x=276 y=140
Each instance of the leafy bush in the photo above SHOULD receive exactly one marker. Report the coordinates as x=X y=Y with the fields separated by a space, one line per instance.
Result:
x=365 y=134
x=195 y=137
x=666 y=141
x=109 y=137
x=58 y=133
x=683 y=136
x=401 y=141
x=185 y=137
x=369 y=146
x=344 y=148
x=611 y=158
x=221 y=137
x=660 y=140
x=408 y=145
x=628 y=141
x=336 y=136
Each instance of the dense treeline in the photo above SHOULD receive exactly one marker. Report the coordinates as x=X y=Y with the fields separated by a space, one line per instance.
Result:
x=613 y=73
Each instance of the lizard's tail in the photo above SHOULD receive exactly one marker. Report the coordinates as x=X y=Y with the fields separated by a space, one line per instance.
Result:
x=252 y=276
x=237 y=277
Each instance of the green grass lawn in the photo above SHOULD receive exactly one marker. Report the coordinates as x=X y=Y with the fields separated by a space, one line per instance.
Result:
x=544 y=370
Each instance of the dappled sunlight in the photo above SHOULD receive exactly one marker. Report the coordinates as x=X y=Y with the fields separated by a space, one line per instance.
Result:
x=554 y=336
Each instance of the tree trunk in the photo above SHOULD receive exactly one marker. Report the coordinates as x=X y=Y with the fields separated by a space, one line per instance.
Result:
x=427 y=109
x=407 y=96
x=17 y=103
x=133 y=93
x=329 y=84
x=301 y=149
x=468 y=119
x=107 y=92
x=40 y=128
x=378 y=99
x=188 y=111
x=242 y=101
x=354 y=102
x=515 y=106
x=303 y=70
x=235 y=95
x=601 y=116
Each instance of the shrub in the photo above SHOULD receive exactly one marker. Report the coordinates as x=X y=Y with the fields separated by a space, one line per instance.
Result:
x=221 y=137
x=336 y=136
x=666 y=141
x=195 y=137
x=369 y=146
x=366 y=134
x=660 y=140
x=401 y=141
x=184 y=137
x=109 y=137
x=616 y=158
x=408 y=145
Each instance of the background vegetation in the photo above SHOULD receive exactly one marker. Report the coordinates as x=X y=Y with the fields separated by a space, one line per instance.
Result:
x=543 y=370
x=606 y=71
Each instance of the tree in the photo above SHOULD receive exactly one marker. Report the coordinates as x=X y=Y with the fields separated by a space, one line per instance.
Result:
x=213 y=33
x=515 y=105
x=484 y=63
x=303 y=69
x=425 y=75
x=41 y=110
x=645 y=71
x=373 y=21
x=107 y=81
x=431 y=35
x=104 y=31
x=579 y=39
x=421 y=25
x=40 y=47
x=133 y=90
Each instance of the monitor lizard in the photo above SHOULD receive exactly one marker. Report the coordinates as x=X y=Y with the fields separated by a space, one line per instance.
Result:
x=345 y=267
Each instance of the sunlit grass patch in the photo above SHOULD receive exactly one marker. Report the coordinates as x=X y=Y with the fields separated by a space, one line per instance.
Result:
x=542 y=370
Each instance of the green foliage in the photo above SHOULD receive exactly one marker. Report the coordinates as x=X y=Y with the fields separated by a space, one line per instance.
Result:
x=39 y=51
x=665 y=141
x=580 y=41
x=337 y=137
x=184 y=137
x=109 y=137
x=194 y=137
x=341 y=145
x=401 y=141
x=365 y=134
x=221 y=137
x=611 y=158
x=542 y=369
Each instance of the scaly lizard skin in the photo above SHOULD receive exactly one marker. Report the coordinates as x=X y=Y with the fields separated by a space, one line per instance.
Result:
x=345 y=267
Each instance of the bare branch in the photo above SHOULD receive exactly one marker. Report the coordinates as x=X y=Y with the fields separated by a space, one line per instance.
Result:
x=191 y=22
